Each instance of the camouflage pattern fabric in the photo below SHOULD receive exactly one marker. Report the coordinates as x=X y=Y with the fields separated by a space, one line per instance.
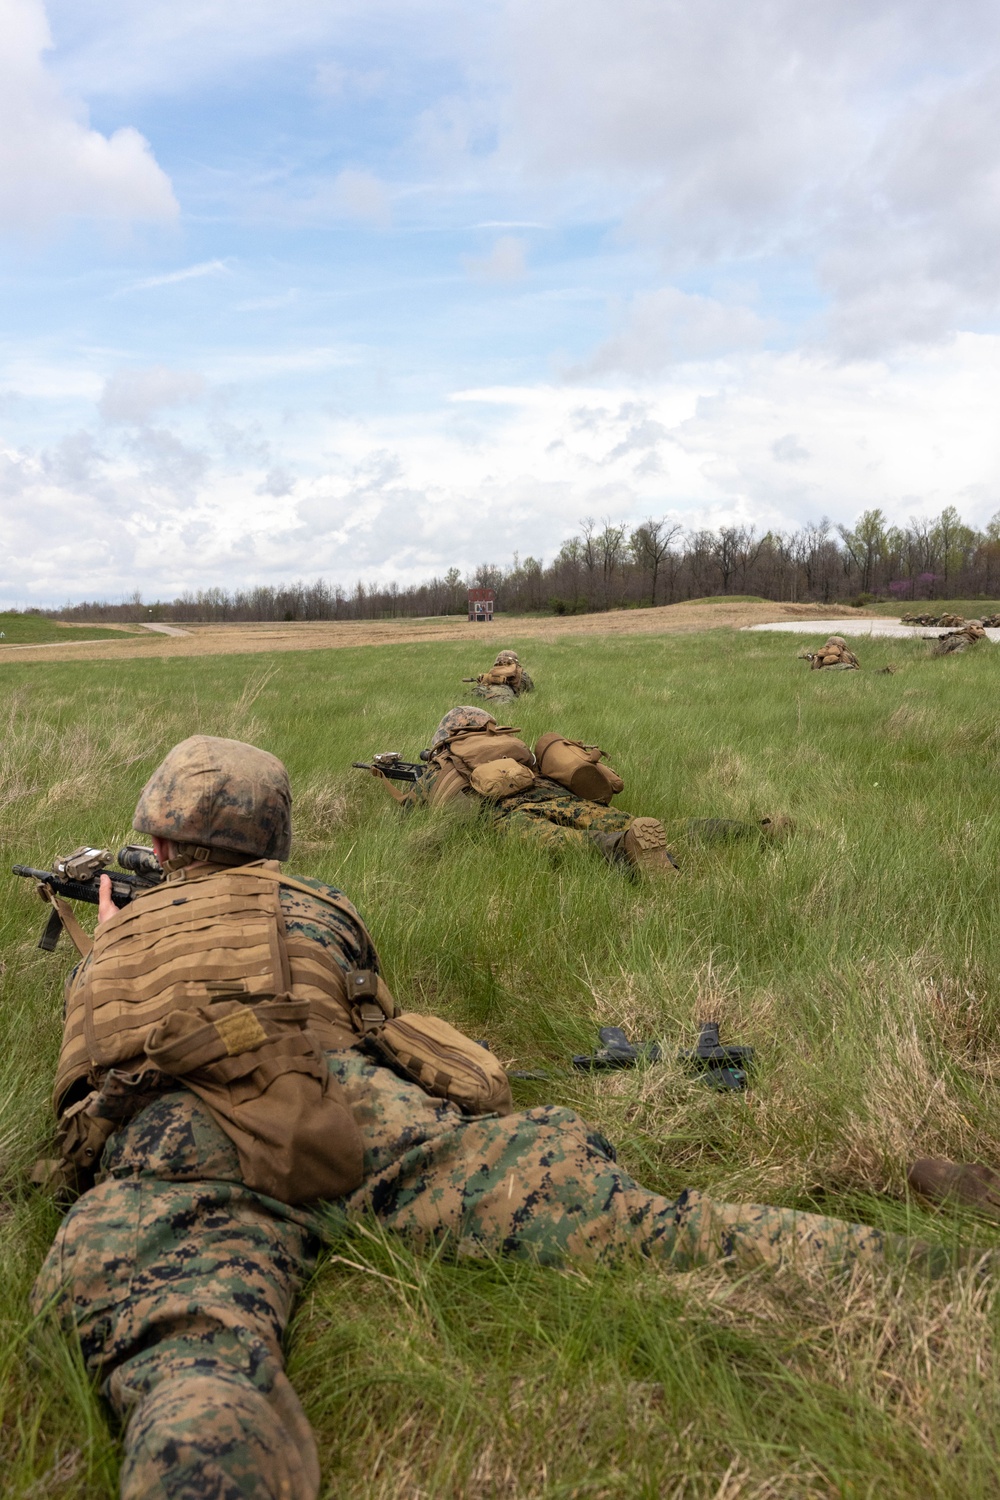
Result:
x=327 y=925
x=497 y=692
x=960 y=640
x=540 y=1186
x=551 y=817
x=179 y=1281
x=219 y=794
x=465 y=716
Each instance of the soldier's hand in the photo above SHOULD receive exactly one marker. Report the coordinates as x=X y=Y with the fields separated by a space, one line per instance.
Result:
x=105 y=907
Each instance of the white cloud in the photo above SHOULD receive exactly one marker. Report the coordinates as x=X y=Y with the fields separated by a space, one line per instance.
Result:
x=505 y=261
x=856 y=135
x=131 y=396
x=52 y=165
x=186 y=273
x=667 y=327
x=763 y=438
x=361 y=196
x=333 y=81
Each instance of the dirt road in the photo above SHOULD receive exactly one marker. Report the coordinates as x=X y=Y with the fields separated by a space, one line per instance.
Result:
x=326 y=635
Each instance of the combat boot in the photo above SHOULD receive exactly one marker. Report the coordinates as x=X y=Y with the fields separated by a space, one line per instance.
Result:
x=965 y=1184
x=645 y=847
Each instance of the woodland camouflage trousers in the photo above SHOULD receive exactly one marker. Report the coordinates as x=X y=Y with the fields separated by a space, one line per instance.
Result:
x=178 y=1280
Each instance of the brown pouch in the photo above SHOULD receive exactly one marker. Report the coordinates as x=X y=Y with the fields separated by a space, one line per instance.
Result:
x=480 y=746
x=445 y=1063
x=501 y=778
x=577 y=766
x=260 y=1072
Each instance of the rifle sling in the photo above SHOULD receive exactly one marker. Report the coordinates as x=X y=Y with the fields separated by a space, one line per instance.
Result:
x=82 y=941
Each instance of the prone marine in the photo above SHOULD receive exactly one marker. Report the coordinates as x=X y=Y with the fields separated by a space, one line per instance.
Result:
x=556 y=796
x=236 y=1085
x=832 y=657
x=505 y=680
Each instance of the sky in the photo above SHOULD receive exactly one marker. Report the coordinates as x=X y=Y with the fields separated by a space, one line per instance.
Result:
x=367 y=289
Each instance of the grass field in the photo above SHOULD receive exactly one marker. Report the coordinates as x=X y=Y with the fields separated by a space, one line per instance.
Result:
x=21 y=629
x=860 y=960
x=969 y=609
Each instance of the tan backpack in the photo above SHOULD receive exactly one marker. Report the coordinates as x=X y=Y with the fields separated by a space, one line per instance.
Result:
x=508 y=676
x=461 y=764
x=578 y=767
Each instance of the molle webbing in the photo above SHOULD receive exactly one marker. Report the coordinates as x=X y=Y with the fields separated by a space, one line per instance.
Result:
x=509 y=676
x=220 y=931
x=466 y=751
x=185 y=944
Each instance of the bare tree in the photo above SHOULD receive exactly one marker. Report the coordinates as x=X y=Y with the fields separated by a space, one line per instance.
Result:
x=650 y=544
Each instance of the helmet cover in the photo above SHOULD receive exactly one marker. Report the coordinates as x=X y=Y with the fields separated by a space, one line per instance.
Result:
x=220 y=794
x=457 y=719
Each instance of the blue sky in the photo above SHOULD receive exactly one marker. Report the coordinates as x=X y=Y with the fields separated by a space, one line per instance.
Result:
x=365 y=290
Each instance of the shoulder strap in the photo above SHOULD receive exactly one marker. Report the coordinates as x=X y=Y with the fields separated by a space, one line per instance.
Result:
x=339 y=903
x=82 y=941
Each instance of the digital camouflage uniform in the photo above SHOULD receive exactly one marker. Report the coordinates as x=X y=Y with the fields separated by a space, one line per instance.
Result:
x=503 y=692
x=960 y=640
x=178 y=1279
x=551 y=817
x=833 y=657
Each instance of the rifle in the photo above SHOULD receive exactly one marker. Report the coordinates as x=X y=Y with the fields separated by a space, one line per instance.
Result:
x=391 y=764
x=77 y=876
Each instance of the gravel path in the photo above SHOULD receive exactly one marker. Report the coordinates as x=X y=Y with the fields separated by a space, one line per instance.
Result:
x=867 y=627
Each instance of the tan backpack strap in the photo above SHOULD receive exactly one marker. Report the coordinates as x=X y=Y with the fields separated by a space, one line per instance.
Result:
x=368 y=995
x=339 y=903
x=82 y=941
x=386 y=782
x=370 y=1001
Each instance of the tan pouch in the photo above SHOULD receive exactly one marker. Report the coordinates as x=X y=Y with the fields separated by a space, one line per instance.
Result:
x=260 y=1072
x=577 y=766
x=501 y=778
x=481 y=746
x=502 y=676
x=445 y=1063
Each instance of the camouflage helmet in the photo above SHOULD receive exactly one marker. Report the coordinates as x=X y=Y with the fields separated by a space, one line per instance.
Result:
x=457 y=719
x=507 y=659
x=219 y=795
x=837 y=640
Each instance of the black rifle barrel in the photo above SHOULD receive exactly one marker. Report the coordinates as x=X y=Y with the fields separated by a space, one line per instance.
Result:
x=396 y=770
x=123 y=887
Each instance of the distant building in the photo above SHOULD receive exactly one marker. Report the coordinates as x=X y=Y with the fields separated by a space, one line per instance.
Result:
x=481 y=605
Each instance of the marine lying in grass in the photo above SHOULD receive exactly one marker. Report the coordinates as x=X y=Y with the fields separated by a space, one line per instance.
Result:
x=960 y=640
x=556 y=796
x=833 y=656
x=239 y=1074
x=505 y=680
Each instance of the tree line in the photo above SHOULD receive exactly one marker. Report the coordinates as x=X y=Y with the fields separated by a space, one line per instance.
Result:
x=610 y=565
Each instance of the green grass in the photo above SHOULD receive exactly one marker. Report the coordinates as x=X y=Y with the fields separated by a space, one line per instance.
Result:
x=860 y=960
x=21 y=629
x=969 y=609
